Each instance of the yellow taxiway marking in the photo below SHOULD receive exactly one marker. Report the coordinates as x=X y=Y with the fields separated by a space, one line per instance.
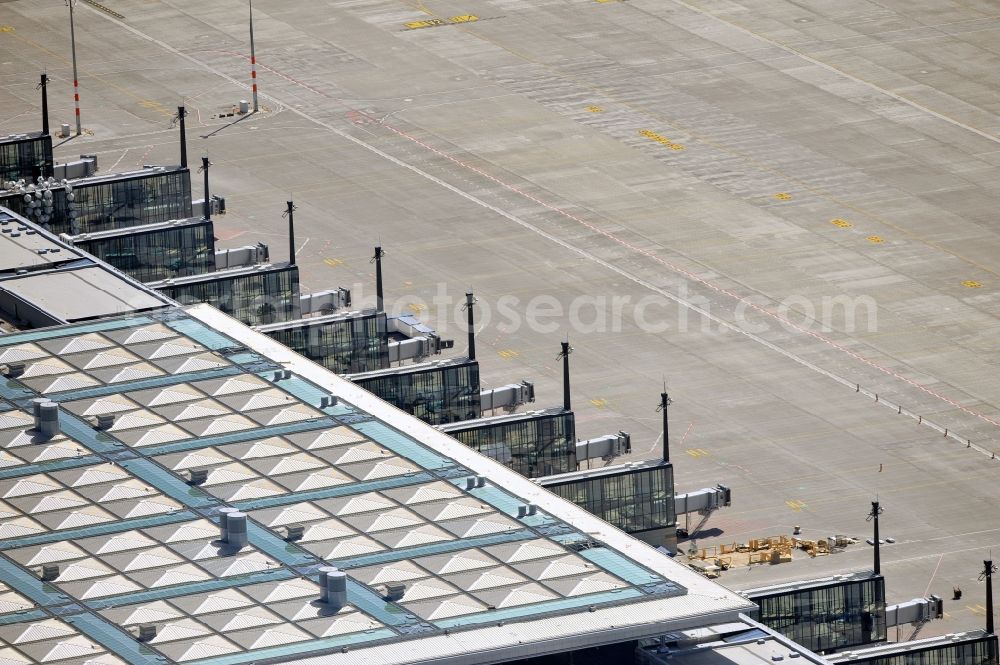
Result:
x=783 y=196
x=599 y=402
x=697 y=452
x=434 y=22
x=595 y=109
x=977 y=609
x=6 y=28
x=795 y=505
x=416 y=307
x=663 y=140
x=508 y=354
x=333 y=263
x=972 y=284
x=842 y=223
x=875 y=239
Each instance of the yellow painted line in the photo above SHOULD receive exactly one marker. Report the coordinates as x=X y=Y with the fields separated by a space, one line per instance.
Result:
x=795 y=505
x=976 y=609
x=595 y=109
x=6 y=28
x=599 y=402
x=416 y=307
x=972 y=284
x=783 y=196
x=697 y=452
x=663 y=140
x=435 y=22
x=842 y=223
x=508 y=354
x=875 y=239
x=333 y=263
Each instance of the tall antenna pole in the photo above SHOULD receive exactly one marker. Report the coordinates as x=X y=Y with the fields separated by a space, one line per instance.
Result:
x=207 y=204
x=43 y=84
x=987 y=574
x=665 y=401
x=253 y=62
x=290 y=213
x=76 y=79
x=564 y=354
x=377 y=260
x=184 y=146
x=469 y=302
x=873 y=517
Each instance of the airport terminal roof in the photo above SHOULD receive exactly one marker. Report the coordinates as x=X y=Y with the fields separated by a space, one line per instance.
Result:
x=379 y=494
x=44 y=281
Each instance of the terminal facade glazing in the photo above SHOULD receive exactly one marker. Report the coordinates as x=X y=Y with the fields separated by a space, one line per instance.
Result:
x=635 y=500
x=535 y=445
x=26 y=158
x=979 y=651
x=162 y=253
x=131 y=199
x=829 y=616
x=437 y=394
x=253 y=296
x=345 y=345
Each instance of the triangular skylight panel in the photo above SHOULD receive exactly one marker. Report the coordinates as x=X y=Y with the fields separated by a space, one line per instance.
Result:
x=267 y=448
x=239 y=384
x=46 y=367
x=288 y=590
x=180 y=575
x=256 y=489
x=318 y=480
x=477 y=581
x=19 y=419
x=19 y=527
x=134 y=420
x=192 y=531
x=219 y=601
x=561 y=567
x=429 y=588
x=596 y=583
x=134 y=373
x=198 y=458
x=397 y=519
x=329 y=530
x=525 y=595
x=13 y=602
x=147 y=334
x=31 y=485
x=82 y=570
x=99 y=474
x=70 y=648
x=333 y=437
x=48 y=629
x=183 y=629
x=87 y=516
x=393 y=572
x=424 y=493
x=302 y=512
x=251 y=618
x=230 y=473
x=243 y=565
x=173 y=395
x=454 y=509
x=108 y=404
x=129 y=489
x=351 y=623
x=445 y=564
x=265 y=400
x=199 y=363
x=352 y=547
x=202 y=409
x=21 y=353
x=293 y=464
x=155 y=435
x=386 y=469
x=110 y=358
x=154 y=612
x=124 y=542
x=57 y=501
x=6 y=460
x=60 y=450
x=358 y=504
x=418 y=536
x=111 y=586
x=535 y=549
x=272 y=637
x=152 y=559
x=55 y=552
x=479 y=527
x=177 y=347
x=64 y=346
x=208 y=647
x=449 y=607
x=69 y=382
x=291 y=414
x=222 y=425
x=148 y=507
x=360 y=453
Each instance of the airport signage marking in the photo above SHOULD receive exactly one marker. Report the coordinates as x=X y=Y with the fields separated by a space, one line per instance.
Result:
x=662 y=140
x=508 y=354
x=783 y=196
x=333 y=263
x=875 y=239
x=438 y=22
x=796 y=505
x=6 y=28
x=599 y=402
x=595 y=109
x=842 y=223
x=972 y=284
x=697 y=452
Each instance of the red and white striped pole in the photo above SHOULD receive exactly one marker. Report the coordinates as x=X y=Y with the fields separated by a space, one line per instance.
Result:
x=76 y=80
x=253 y=62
